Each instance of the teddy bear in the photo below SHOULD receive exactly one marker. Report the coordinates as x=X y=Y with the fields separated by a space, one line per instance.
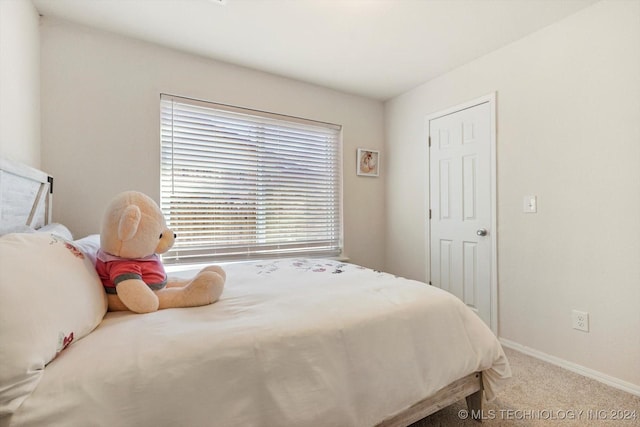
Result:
x=132 y=235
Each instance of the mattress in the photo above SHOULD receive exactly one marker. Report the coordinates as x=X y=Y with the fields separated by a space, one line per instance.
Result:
x=292 y=342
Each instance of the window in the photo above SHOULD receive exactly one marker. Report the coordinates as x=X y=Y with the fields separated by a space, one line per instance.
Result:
x=242 y=184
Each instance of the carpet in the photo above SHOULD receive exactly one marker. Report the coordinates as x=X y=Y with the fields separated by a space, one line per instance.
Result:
x=542 y=394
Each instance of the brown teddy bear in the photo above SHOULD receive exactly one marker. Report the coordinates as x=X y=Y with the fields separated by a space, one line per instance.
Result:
x=133 y=233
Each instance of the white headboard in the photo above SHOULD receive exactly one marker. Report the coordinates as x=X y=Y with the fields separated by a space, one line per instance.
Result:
x=26 y=196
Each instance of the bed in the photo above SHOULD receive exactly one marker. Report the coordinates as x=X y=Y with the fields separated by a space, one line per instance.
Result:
x=292 y=342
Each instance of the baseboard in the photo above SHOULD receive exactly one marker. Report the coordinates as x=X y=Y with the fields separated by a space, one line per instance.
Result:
x=573 y=367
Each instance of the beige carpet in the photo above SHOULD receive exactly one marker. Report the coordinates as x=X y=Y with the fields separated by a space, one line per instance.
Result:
x=543 y=394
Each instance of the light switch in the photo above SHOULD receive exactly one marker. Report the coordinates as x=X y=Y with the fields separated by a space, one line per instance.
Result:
x=530 y=204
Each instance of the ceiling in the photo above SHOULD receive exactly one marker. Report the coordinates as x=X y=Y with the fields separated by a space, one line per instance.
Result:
x=374 y=48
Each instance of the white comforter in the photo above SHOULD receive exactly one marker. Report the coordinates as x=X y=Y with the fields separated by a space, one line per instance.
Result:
x=291 y=343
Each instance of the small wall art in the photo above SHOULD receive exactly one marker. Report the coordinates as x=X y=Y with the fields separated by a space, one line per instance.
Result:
x=368 y=162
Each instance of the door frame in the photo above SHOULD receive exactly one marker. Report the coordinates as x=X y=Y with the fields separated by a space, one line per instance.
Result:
x=493 y=235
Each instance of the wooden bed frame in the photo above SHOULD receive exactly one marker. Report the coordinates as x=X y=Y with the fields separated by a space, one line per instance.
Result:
x=469 y=387
x=25 y=200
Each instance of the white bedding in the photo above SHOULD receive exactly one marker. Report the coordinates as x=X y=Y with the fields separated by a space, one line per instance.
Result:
x=291 y=343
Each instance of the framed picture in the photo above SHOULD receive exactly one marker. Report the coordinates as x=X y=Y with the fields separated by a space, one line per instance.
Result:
x=368 y=162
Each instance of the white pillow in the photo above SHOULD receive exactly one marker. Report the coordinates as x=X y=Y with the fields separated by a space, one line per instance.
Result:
x=57 y=229
x=50 y=296
x=54 y=228
x=4 y=230
x=89 y=246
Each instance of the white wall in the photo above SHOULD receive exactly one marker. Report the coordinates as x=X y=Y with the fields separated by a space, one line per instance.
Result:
x=568 y=102
x=19 y=82
x=100 y=123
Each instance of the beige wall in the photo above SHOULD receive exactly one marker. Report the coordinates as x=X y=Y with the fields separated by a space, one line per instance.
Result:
x=568 y=121
x=100 y=122
x=19 y=82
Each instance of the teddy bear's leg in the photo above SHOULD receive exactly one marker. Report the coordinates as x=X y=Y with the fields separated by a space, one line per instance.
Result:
x=205 y=289
x=137 y=296
x=173 y=282
x=216 y=269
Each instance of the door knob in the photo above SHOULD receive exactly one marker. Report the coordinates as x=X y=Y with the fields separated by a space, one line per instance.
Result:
x=482 y=232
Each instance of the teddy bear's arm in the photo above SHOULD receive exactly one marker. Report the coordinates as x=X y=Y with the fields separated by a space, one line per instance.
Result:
x=137 y=296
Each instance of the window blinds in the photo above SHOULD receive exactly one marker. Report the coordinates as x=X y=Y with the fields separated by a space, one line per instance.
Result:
x=242 y=184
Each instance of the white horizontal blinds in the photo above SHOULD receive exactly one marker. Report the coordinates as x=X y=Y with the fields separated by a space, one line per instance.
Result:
x=243 y=184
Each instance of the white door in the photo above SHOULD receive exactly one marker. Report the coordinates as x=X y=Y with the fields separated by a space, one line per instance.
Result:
x=462 y=233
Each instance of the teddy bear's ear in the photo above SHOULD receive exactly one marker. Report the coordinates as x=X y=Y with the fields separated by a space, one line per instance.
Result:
x=129 y=221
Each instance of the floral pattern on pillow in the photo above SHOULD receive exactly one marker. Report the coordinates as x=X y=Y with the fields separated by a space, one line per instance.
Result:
x=63 y=341
x=75 y=251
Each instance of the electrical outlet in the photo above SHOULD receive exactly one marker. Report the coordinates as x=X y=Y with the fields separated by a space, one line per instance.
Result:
x=580 y=320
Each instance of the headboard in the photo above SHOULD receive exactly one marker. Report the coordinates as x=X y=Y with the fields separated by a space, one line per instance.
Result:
x=26 y=196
